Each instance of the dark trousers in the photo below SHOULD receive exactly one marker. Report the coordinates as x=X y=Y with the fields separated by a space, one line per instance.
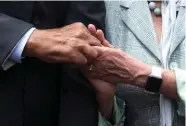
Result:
x=79 y=106
x=39 y=94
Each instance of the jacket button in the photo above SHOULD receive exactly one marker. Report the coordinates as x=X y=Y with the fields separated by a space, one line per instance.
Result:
x=173 y=65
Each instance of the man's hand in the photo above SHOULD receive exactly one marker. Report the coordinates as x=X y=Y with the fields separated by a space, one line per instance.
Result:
x=72 y=44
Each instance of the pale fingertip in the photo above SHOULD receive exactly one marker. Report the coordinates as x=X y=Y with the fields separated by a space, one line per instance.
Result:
x=92 y=27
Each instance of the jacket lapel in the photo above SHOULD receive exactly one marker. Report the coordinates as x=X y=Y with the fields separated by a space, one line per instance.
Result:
x=136 y=15
x=179 y=32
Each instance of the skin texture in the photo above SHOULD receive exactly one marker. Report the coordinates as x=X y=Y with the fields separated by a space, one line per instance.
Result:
x=72 y=43
x=115 y=66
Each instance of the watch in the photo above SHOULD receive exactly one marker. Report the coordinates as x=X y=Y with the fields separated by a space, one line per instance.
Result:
x=154 y=80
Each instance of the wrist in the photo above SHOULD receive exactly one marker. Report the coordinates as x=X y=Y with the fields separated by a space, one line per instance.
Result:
x=142 y=71
x=133 y=71
x=168 y=87
x=32 y=43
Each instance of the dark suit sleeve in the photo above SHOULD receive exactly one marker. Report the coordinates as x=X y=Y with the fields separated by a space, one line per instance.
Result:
x=87 y=12
x=11 y=31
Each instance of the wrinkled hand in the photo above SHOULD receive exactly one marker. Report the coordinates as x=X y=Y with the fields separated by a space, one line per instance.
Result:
x=72 y=43
x=115 y=66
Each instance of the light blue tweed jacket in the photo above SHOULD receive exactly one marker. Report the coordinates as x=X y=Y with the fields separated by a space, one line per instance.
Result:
x=129 y=26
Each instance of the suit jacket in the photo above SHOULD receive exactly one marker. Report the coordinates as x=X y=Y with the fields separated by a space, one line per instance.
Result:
x=35 y=93
x=129 y=27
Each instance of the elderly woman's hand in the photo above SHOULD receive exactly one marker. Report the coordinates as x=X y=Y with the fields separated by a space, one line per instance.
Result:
x=115 y=66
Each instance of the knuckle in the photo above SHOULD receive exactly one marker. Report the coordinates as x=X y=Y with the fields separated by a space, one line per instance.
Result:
x=80 y=33
x=80 y=25
x=81 y=30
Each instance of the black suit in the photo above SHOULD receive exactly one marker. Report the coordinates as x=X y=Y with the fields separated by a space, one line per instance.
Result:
x=35 y=93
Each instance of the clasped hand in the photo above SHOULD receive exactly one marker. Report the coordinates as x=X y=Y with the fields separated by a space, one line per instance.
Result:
x=86 y=47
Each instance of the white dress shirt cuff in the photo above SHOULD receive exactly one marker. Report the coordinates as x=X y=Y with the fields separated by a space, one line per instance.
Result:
x=16 y=55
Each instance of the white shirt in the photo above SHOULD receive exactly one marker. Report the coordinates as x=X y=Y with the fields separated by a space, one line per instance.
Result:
x=169 y=9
